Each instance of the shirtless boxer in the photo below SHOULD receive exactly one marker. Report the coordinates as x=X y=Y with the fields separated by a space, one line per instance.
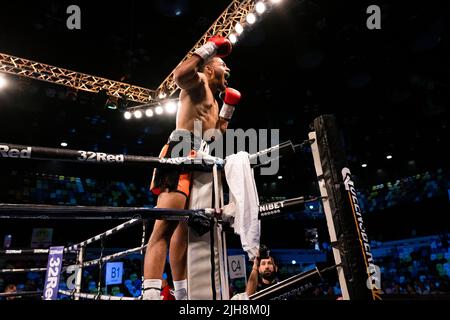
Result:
x=200 y=78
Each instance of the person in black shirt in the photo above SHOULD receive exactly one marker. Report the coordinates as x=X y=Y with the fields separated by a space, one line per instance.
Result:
x=264 y=273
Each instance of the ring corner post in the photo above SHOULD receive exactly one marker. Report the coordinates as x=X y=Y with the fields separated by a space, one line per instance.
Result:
x=349 y=240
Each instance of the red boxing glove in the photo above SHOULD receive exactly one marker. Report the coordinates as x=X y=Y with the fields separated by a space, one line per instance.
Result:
x=231 y=100
x=232 y=96
x=216 y=46
x=223 y=45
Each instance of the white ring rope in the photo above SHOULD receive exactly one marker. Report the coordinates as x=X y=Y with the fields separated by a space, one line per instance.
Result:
x=78 y=246
x=114 y=256
x=23 y=270
x=105 y=234
x=91 y=296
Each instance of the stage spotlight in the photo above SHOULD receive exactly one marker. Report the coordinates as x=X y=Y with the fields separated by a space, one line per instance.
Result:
x=239 y=28
x=137 y=114
x=171 y=107
x=251 y=18
x=3 y=81
x=159 y=110
x=260 y=7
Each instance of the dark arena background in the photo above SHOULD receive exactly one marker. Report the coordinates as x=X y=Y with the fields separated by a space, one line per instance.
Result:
x=388 y=89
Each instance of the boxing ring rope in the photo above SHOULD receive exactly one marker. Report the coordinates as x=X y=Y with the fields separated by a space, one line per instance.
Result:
x=91 y=296
x=23 y=211
x=68 y=155
x=20 y=294
x=283 y=149
x=30 y=211
x=74 y=247
x=136 y=214
x=269 y=210
x=105 y=234
x=266 y=211
x=24 y=270
x=100 y=261
x=291 y=285
x=205 y=163
x=70 y=249
x=83 y=244
x=24 y=252
x=114 y=256
x=75 y=293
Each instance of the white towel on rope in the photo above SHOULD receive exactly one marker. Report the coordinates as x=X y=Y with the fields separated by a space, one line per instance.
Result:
x=244 y=202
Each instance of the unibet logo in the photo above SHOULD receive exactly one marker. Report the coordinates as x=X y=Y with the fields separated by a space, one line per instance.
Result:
x=6 y=152
x=271 y=206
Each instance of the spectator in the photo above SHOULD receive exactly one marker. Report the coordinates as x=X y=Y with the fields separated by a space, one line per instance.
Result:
x=10 y=288
x=264 y=272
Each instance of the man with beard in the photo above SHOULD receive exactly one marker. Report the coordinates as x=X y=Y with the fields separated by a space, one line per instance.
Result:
x=264 y=273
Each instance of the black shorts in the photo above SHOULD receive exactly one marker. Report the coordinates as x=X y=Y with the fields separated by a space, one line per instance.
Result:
x=173 y=179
